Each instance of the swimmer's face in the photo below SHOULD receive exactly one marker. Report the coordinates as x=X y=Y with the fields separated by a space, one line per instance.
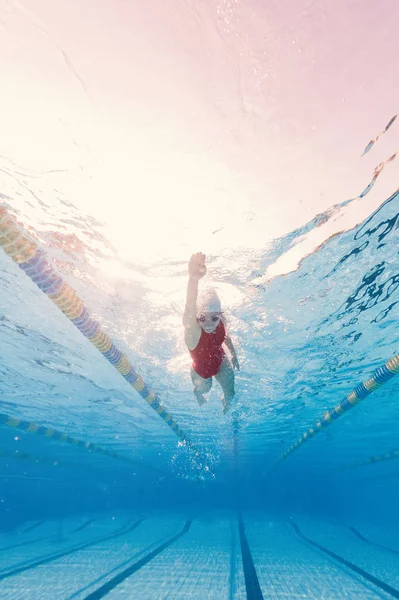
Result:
x=209 y=321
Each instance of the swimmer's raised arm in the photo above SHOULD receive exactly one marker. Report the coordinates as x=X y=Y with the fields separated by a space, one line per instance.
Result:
x=196 y=270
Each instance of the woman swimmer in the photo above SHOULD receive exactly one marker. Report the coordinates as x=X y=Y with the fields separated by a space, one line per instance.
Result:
x=205 y=333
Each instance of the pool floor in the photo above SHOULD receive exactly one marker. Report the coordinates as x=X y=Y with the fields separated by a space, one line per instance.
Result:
x=213 y=556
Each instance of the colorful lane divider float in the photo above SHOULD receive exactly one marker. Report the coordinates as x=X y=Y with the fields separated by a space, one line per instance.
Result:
x=381 y=376
x=371 y=460
x=24 y=251
x=38 y=460
x=56 y=435
x=59 y=436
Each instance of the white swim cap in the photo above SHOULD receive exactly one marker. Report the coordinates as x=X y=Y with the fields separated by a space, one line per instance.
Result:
x=208 y=302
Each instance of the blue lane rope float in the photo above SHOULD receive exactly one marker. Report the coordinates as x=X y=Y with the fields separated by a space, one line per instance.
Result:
x=55 y=462
x=371 y=460
x=59 y=436
x=19 y=245
x=17 y=455
x=381 y=376
x=39 y=460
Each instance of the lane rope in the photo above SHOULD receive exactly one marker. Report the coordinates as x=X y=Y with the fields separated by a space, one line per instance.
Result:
x=19 y=245
x=380 y=377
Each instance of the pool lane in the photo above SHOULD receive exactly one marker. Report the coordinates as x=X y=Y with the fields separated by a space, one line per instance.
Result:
x=198 y=565
x=289 y=569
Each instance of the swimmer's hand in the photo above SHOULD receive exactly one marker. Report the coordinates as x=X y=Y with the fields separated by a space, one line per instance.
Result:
x=196 y=266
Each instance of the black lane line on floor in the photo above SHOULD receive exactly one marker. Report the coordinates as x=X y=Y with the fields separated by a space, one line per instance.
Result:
x=251 y=578
x=83 y=526
x=42 y=539
x=233 y=561
x=116 y=569
x=377 y=582
x=115 y=581
x=48 y=537
x=364 y=539
x=48 y=559
x=32 y=527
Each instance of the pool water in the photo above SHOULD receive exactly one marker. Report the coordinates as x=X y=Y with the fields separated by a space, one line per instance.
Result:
x=132 y=137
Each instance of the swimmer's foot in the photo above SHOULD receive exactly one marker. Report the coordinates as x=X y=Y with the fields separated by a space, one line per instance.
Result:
x=200 y=397
x=226 y=404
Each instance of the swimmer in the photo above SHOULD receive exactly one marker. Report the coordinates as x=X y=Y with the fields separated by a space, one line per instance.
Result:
x=205 y=334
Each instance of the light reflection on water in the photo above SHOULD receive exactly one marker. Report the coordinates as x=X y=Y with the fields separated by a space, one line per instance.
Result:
x=120 y=185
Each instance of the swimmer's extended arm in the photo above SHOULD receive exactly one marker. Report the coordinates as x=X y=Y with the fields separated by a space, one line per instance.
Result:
x=230 y=346
x=190 y=311
x=196 y=270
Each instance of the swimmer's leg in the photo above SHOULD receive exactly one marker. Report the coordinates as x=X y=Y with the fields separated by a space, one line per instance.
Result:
x=226 y=379
x=201 y=386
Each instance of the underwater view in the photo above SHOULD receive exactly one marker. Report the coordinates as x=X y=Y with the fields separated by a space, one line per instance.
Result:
x=199 y=299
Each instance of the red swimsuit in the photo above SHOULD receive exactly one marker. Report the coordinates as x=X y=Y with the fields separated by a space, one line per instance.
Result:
x=208 y=355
